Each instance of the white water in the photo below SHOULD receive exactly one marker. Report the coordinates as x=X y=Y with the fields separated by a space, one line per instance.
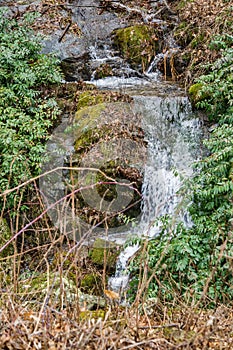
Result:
x=173 y=134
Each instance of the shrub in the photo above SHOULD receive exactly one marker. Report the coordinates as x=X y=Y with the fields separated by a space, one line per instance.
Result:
x=25 y=116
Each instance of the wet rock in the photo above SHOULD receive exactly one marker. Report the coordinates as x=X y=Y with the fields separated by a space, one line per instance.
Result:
x=103 y=71
x=173 y=63
x=138 y=44
x=77 y=68
x=94 y=26
x=104 y=253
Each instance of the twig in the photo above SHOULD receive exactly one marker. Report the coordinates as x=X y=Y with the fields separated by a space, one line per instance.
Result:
x=61 y=200
x=65 y=31
x=160 y=326
x=144 y=342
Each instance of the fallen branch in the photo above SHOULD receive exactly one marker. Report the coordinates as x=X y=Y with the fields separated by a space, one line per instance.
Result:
x=160 y=326
x=64 y=31
x=146 y=18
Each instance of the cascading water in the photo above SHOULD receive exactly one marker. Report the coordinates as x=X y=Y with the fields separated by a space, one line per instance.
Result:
x=171 y=130
x=172 y=133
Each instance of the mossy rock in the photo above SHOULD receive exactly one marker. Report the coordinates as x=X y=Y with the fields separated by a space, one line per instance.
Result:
x=196 y=94
x=138 y=44
x=104 y=253
x=94 y=116
x=88 y=98
x=104 y=120
x=89 y=315
x=93 y=97
x=60 y=289
x=109 y=137
x=91 y=283
x=86 y=123
x=37 y=287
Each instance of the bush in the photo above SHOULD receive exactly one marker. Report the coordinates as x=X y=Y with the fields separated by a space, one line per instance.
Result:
x=25 y=116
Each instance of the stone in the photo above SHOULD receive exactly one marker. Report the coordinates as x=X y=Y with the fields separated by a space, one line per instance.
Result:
x=77 y=68
x=138 y=44
x=104 y=253
x=195 y=93
x=91 y=283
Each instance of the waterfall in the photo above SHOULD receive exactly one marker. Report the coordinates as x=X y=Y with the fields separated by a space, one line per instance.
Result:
x=172 y=132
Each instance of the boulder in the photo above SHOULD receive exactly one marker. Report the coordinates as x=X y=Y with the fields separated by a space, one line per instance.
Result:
x=138 y=44
x=76 y=68
x=109 y=138
x=104 y=253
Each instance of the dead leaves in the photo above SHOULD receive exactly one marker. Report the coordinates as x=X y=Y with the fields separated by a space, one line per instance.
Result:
x=112 y=295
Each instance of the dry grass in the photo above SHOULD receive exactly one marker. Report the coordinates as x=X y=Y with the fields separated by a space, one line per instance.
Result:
x=41 y=306
x=122 y=328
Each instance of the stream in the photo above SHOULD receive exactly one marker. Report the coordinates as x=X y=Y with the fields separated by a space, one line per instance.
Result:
x=172 y=133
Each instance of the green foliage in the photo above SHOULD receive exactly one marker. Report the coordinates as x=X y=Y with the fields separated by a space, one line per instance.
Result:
x=217 y=89
x=196 y=263
x=25 y=117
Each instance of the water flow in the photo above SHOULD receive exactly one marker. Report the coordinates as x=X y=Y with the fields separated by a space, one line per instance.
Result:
x=173 y=134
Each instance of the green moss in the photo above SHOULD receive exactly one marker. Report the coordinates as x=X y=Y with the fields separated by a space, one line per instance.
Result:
x=94 y=121
x=91 y=283
x=104 y=253
x=195 y=93
x=86 y=121
x=88 y=315
x=92 y=97
x=138 y=44
x=88 y=98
